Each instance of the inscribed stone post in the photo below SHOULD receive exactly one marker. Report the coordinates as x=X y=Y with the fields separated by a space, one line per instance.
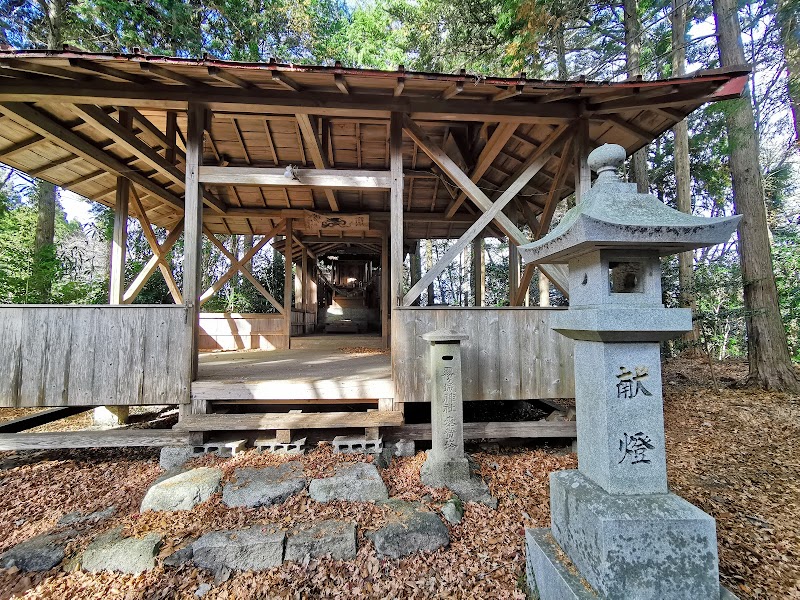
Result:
x=446 y=461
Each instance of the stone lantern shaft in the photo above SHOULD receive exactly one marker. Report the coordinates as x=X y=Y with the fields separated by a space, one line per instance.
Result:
x=615 y=518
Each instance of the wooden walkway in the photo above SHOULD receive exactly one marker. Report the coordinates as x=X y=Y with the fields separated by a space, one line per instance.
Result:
x=314 y=370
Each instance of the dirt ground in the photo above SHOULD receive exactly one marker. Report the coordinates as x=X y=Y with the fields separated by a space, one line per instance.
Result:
x=734 y=453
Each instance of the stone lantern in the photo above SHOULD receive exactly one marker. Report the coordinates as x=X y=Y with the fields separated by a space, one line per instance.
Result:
x=614 y=517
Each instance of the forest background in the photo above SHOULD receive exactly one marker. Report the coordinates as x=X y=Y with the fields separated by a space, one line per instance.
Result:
x=45 y=258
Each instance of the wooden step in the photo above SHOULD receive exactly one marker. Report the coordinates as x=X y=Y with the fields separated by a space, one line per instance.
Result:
x=268 y=421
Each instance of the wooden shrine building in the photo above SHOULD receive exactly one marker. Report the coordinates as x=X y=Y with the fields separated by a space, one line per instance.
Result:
x=316 y=160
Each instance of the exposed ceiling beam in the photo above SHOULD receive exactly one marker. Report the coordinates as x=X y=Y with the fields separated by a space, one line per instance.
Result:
x=38 y=122
x=24 y=66
x=124 y=137
x=332 y=178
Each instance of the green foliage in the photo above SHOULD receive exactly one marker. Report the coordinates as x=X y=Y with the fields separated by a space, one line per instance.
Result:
x=65 y=264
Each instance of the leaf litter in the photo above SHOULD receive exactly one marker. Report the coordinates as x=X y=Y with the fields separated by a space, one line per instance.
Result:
x=732 y=452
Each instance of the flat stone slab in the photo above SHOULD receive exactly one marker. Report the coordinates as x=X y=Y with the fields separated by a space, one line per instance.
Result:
x=257 y=548
x=112 y=552
x=75 y=518
x=453 y=511
x=353 y=482
x=263 y=487
x=332 y=537
x=473 y=489
x=40 y=553
x=409 y=529
x=183 y=491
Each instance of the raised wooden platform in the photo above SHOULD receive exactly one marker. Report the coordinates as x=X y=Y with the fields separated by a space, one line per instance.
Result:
x=275 y=421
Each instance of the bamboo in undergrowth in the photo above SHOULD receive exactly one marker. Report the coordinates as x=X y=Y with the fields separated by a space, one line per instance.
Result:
x=768 y=352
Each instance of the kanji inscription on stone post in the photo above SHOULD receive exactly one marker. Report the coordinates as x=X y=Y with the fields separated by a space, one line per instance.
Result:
x=447 y=463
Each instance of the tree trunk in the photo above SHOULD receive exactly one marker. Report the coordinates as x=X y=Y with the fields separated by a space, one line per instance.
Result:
x=44 y=257
x=43 y=267
x=633 y=50
x=416 y=269
x=429 y=266
x=789 y=21
x=682 y=172
x=768 y=354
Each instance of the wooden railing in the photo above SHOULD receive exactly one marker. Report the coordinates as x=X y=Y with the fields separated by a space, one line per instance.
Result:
x=511 y=354
x=93 y=355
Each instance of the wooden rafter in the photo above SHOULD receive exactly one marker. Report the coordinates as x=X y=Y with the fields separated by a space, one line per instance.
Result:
x=318 y=158
x=38 y=122
x=633 y=129
x=553 y=195
x=20 y=146
x=126 y=138
x=25 y=66
x=227 y=76
x=490 y=151
x=240 y=138
x=270 y=143
x=171 y=75
x=102 y=69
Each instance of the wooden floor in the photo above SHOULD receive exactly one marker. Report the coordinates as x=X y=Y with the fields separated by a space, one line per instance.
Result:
x=314 y=369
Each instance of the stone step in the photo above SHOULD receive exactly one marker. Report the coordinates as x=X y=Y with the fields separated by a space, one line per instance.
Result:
x=274 y=421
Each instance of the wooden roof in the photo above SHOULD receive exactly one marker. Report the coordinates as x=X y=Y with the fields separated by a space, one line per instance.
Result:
x=61 y=122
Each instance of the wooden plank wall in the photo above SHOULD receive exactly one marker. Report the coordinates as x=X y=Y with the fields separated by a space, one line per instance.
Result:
x=303 y=323
x=92 y=355
x=511 y=354
x=246 y=331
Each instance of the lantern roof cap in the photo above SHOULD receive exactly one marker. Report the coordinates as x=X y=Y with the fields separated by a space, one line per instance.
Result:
x=614 y=216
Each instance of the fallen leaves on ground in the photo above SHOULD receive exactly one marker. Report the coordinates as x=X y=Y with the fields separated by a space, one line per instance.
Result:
x=734 y=453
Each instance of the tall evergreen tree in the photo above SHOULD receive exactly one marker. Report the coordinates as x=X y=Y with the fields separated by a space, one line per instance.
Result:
x=768 y=353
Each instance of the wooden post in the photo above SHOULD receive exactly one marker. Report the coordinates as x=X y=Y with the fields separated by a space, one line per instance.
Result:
x=583 y=175
x=544 y=290
x=172 y=136
x=287 y=285
x=396 y=207
x=304 y=286
x=385 y=291
x=478 y=272
x=193 y=231
x=513 y=271
x=119 y=242
x=120 y=239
